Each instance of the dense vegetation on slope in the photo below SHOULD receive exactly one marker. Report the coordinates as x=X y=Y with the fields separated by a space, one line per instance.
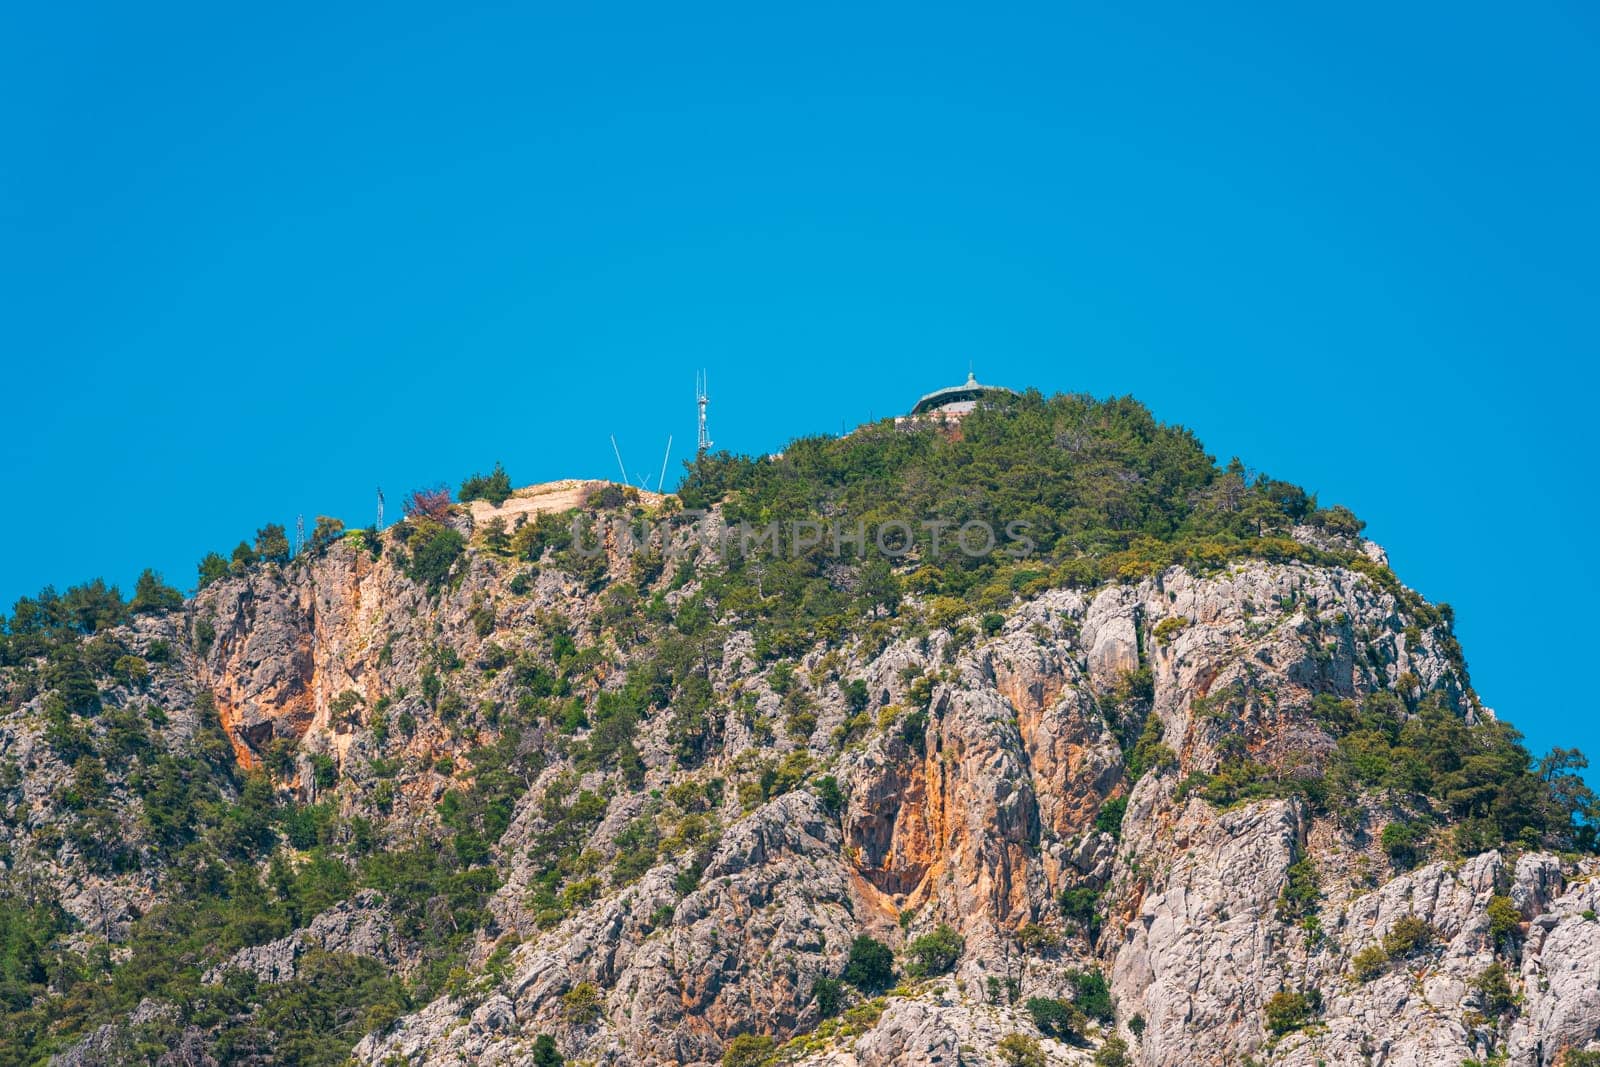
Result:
x=1099 y=490
x=1106 y=492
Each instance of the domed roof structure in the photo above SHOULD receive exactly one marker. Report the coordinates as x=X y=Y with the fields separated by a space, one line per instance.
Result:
x=957 y=399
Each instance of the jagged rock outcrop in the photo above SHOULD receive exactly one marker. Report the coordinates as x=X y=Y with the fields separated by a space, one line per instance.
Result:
x=1560 y=978
x=360 y=926
x=774 y=909
x=967 y=781
x=1198 y=958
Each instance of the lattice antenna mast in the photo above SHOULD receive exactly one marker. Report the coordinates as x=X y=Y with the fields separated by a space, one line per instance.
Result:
x=701 y=400
x=380 y=509
x=299 y=534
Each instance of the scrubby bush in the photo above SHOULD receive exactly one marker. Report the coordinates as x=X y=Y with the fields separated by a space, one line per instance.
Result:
x=434 y=551
x=1408 y=936
x=1169 y=628
x=326 y=531
x=1494 y=989
x=1112 y=1053
x=1081 y=904
x=1092 y=994
x=272 y=544
x=870 y=967
x=582 y=1004
x=829 y=794
x=934 y=953
x=1108 y=819
x=1400 y=840
x=495 y=487
x=1150 y=754
x=1056 y=1018
x=829 y=994
x=1505 y=921
x=151 y=594
x=212 y=567
x=1288 y=1011
x=1020 y=1050
x=545 y=1053
x=1369 y=963
x=749 y=1050
x=1301 y=892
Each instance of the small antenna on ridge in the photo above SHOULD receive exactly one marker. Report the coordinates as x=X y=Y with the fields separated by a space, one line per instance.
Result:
x=661 y=482
x=620 y=467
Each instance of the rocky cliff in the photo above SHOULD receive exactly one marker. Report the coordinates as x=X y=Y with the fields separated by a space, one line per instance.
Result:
x=573 y=809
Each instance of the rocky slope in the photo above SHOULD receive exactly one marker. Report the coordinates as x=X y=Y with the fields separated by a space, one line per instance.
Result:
x=1109 y=779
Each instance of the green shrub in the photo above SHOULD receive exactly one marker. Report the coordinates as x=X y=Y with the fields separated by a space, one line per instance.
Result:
x=1369 y=963
x=434 y=551
x=934 y=953
x=151 y=594
x=324 y=771
x=1400 y=839
x=272 y=544
x=1112 y=1053
x=749 y=1050
x=1056 y=1018
x=582 y=1004
x=1081 y=904
x=131 y=670
x=1505 y=921
x=1149 y=753
x=1109 y=818
x=1494 y=987
x=1408 y=936
x=1289 y=1011
x=212 y=567
x=545 y=1053
x=1092 y=994
x=494 y=487
x=1020 y=1050
x=1169 y=628
x=829 y=794
x=870 y=967
x=1301 y=892
x=829 y=994
x=914 y=730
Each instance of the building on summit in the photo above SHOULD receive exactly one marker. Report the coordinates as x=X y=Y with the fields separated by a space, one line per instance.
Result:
x=952 y=404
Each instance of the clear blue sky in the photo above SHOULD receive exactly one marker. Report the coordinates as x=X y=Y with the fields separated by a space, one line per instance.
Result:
x=255 y=261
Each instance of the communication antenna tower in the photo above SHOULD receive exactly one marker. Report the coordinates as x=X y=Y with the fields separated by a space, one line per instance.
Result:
x=299 y=534
x=620 y=467
x=701 y=399
x=380 y=509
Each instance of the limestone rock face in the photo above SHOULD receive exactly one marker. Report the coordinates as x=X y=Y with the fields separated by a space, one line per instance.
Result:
x=738 y=954
x=1198 y=958
x=981 y=777
x=1560 y=979
x=359 y=926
